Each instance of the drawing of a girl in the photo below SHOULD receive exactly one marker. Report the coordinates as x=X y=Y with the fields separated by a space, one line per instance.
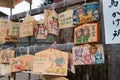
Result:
x=86 y=34
x=79 y=35
x=97 y=56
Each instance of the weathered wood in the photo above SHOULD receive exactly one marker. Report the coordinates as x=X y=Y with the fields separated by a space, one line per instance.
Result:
x=64 y=47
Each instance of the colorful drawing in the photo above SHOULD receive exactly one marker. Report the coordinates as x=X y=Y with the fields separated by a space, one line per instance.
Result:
x=41 y=31
x=55 y=62
x=47 y=13
x=88 y=54
x=29 y=60
x=66 y=19
x=86 y=33
x=53 y=23
x=17 y=64
x=86 y=13
x=14 y=30
x=6 y=55
x=4 y=69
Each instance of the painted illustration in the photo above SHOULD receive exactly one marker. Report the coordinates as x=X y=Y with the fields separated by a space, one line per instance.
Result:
x=86 y=33
x=86 y=13
x=29 y=60
x=17 y=64
x=53 y=23
x=88 y=54
x=6 y=55
x=66 y=19
x=47 y=13
x=40 y=30
x=14 y=30
x=4 y=69
x=55 y=62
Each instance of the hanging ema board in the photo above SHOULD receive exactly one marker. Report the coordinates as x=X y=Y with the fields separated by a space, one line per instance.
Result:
x=86 y=13
x=86 y=33
x=66 y=19
x=4 y=69
x=6 y=55
x=51 y=62
x=14 y=30
x=26 y=27
x=51 y=21
x=88 y=54
x=17 y=64
x=40 y=30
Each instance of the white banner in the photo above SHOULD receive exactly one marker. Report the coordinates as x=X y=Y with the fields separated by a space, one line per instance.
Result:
x=111 y=12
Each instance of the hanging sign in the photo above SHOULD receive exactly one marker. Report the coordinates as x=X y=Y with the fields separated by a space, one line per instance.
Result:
x=51 y=20
x=86 y=33
x=88 y=54
x=14 y=30
x=53 y=23
x=111 y=13
x=17 y=64
x=51 y=62
x=86 y=13
x=6 y=55
x=40 y=30
x=26 y=27
x=66 y=19
x=4 y=69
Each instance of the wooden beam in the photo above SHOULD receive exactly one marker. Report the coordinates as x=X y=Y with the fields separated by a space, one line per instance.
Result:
x=63 y=47
x=40 y=10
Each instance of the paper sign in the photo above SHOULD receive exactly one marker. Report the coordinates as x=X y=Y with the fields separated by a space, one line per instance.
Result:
x=29 y=60
x=17 y=64
x=86 y=33
x=6 y=55
x=53 y=78
x=4 y=69
x=86 y=13
x=26 y=27
x=88 y=54
x=66 y=19
x=111 y=13
x=51 y=62
x=40 y=30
